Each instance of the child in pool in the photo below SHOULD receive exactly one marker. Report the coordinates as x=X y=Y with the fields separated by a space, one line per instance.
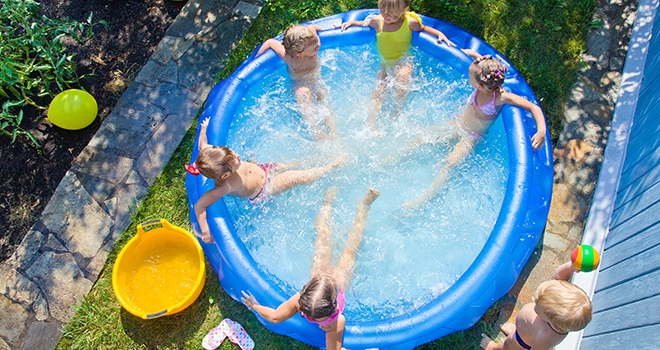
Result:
x=321 y=300
x=258 y=182
x=559 y=307
x=394 y=26
x=486 y=76
x=300 y=51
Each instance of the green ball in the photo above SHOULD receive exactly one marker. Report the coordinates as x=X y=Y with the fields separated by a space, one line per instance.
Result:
x=72 y=109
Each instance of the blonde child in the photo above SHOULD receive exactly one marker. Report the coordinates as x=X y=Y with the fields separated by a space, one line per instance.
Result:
x=300 y=51
x=321 y=300
x=258 y=182
x=559 y=307
x=394 y=26
x=486 y=75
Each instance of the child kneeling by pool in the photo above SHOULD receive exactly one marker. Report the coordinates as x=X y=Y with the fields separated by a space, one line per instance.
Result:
x=258 y=182
x=299 y=49
x=486 y=75
x=559 y=307
x=321 y=300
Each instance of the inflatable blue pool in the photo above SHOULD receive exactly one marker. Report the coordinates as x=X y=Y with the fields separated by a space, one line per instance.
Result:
x=493 y=272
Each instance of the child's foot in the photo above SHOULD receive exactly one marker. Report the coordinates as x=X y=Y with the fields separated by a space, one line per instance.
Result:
x=330 y=194
x=371 y=196
x=340 y=161
x=508 y=328
x=486 y=342
x=207 y=238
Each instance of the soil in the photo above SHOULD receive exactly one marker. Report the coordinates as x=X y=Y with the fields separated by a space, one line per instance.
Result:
x=114 y=55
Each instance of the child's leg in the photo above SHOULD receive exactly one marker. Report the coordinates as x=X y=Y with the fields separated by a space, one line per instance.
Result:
x=322 y=260
x=344 y=268
x=403 y=76
x=304 y=96
x=509 y=329
x=462 y=149
x=289 y=179
x=377 y=96
x=431 y=136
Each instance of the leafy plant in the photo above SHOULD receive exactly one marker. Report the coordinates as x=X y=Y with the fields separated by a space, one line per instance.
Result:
x=34 y=63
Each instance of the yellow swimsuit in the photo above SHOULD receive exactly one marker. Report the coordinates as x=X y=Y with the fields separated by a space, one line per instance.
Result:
x=393 y=45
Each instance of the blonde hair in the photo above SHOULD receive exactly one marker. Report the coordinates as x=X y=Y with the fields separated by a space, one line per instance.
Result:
x=297 y=38
x=393 y=7
x=563 y=304
x=213 y=161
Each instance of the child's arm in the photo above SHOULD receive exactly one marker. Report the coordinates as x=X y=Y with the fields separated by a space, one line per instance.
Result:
x=416 y=26
x=275 y=45
x=334 y=337
x=539 y=137
x=204 y=202
x=315 y=27
x=283 y=312
x=472 y=53
x=373 y=23
x=564 y=271
x=203 y=141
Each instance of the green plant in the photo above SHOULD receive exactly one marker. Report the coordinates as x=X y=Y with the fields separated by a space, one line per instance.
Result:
x=34 y=62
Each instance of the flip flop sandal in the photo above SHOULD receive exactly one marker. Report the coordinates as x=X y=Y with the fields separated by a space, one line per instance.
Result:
x=214 y=338
x=237 y=334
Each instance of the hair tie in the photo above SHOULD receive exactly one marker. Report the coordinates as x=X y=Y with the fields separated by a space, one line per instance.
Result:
x=192 y=169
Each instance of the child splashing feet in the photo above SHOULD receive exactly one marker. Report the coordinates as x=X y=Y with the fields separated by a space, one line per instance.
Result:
x=300 y=51
x=394 y=26
x=321 y=300
x=559 y=307
x=486 y=76
x=258 y=182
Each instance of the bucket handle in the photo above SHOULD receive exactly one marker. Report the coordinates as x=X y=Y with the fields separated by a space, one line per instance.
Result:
x=153 y=224
x=156 y=314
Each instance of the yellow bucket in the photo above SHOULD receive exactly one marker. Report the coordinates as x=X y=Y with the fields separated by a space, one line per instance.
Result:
x=160 y=271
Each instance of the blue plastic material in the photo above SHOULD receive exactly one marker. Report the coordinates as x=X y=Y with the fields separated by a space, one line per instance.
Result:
x=493 y=272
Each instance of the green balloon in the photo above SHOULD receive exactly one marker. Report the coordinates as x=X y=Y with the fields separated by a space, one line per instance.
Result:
x=72 y=109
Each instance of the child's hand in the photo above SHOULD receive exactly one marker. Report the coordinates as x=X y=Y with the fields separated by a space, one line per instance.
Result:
x=442 y=37
x=248 y=300
x=205 y=124
x=537 y=140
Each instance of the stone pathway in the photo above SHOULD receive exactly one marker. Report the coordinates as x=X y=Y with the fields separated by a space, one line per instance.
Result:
x=62 y=255
x=60 y=258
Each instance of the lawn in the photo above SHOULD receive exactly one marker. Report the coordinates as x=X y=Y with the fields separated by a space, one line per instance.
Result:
x=542 y=38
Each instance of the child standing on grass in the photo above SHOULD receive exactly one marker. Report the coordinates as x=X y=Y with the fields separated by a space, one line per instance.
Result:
x=300 y=51
x=394 y=26
x=559 y=307
x=258 y=182
x=321 y=300
x=486 y=76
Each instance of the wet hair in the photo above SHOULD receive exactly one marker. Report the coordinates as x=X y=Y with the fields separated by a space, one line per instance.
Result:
x=213 y=161
x=297 y=38
x=318 y=297
x=393 y=7
x=491 y=72
x=563 y=304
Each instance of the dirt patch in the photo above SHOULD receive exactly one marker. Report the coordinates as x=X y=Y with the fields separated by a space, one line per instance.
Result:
x=114 y=55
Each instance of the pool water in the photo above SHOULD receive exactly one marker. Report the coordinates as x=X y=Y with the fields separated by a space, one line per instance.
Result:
x=407 y=258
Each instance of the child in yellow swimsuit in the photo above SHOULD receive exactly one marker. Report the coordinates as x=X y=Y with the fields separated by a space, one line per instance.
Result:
x=394 y=26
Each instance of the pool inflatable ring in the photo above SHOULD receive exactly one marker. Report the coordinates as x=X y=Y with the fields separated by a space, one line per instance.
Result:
x=493 y=272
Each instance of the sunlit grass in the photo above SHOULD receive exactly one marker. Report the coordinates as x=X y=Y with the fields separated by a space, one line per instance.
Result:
x=543 y=39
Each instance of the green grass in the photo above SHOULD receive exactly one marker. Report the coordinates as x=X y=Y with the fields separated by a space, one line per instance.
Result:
x=543 y=39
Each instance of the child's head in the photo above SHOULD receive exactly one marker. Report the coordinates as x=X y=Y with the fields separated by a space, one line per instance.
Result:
x=563 y=304
x=487 y=71
x=394 y=8
x=318 y=298
x=217 y=162
x=300 y=40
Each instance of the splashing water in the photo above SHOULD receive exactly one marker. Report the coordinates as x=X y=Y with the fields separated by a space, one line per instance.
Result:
x=407 y=258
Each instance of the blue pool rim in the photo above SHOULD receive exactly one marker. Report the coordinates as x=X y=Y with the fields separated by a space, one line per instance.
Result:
x=516 y=232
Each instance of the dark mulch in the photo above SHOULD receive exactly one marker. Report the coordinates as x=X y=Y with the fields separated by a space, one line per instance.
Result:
x=115 y=55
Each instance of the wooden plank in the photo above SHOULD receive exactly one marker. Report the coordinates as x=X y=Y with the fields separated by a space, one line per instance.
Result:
x=620 y=231
x=642 y=313
x=639 y=265
x=629 y=339
x=633 y=245
x=643 y=287
x=629 y=186
x=636 y=204
x=646 y=126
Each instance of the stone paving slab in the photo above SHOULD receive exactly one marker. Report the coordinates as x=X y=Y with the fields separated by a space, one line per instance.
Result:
x=62 y=255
